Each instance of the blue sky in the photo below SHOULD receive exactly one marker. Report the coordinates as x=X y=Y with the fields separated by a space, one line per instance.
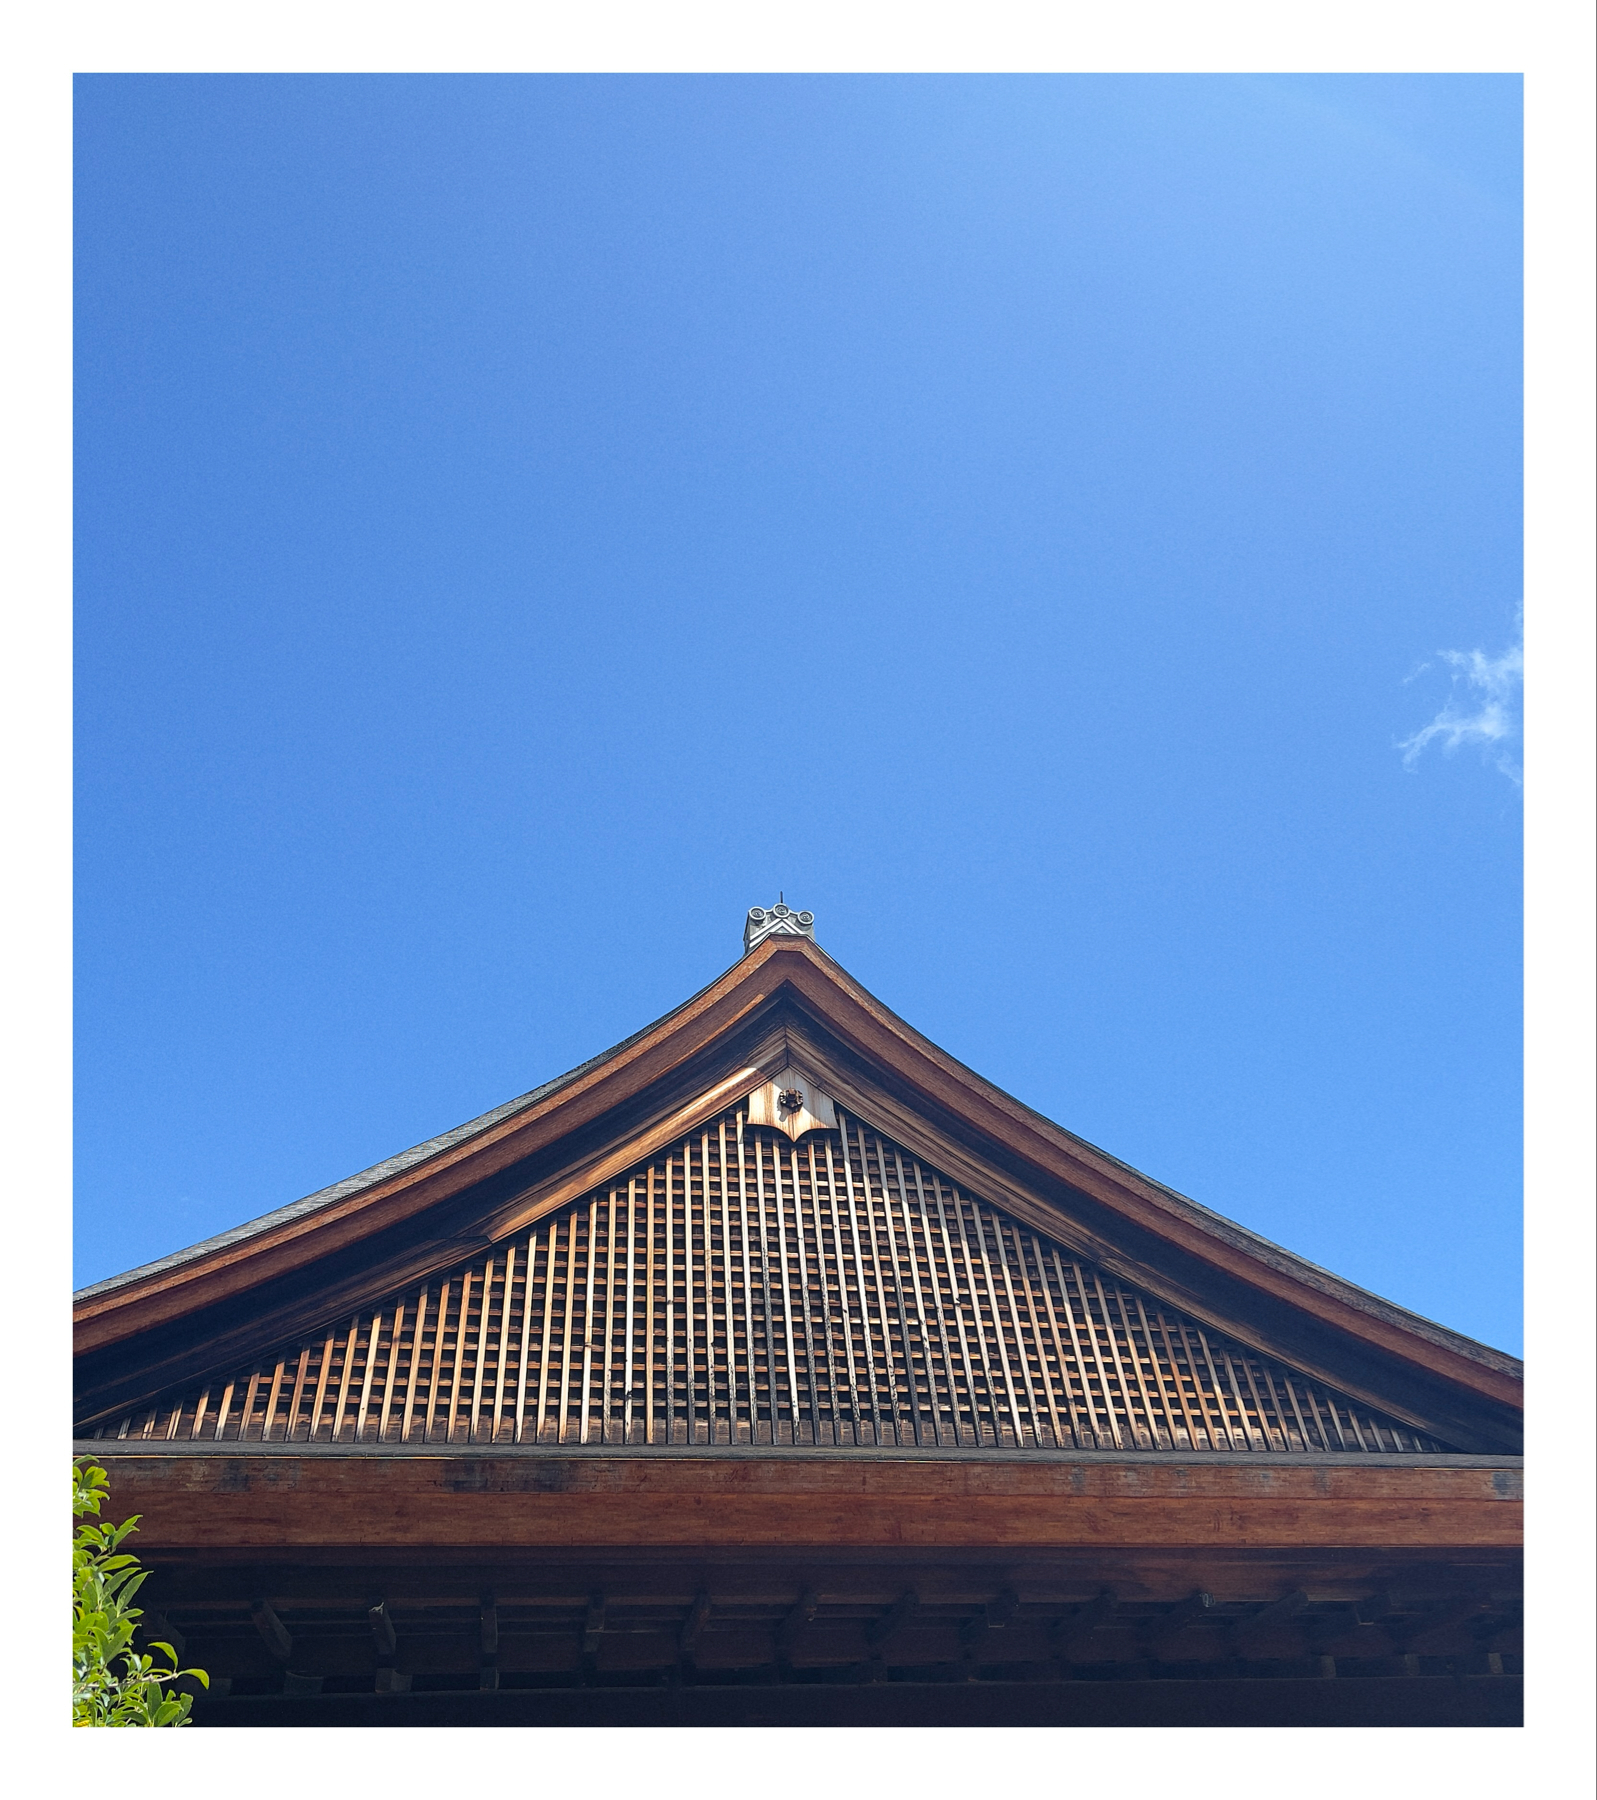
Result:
x=523 y=522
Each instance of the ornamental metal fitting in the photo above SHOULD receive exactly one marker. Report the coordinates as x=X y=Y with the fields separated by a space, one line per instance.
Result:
x=792 y=1103
x=776 y=921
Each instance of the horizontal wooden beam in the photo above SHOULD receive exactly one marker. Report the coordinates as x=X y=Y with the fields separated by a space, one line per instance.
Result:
x=240 y=1503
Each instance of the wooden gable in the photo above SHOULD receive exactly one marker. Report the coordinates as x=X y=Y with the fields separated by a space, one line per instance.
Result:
x=740 y=1288
x=944 y=1264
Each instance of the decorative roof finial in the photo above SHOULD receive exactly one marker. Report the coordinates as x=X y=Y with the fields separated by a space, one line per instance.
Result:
x=776 y=921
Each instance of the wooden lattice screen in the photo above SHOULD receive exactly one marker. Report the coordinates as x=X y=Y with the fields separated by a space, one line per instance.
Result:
x=741 y=1289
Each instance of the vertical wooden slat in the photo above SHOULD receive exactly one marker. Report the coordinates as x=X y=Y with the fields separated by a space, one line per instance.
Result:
x=1176 y=1383
x=439 y=1328
x=322 y=1375
x=825 y=1326
x=731 y=1288
x=1283 y=1417
x=1084 y=1370
x=505 y=1315
x=669 y=1199
x=1221 y=1412
x=553 y=1250
x=609 y=1316
x=344 y=1374
x=978 y=1297
x=950 y=1374
x=905 y=1330
x=417 y=1335
x=1042 y=1343
x=748 y=1283
x=844 y=1321
x=1310 y=1390
x=795 y=1404
x=271 y=1402
x=1151 y=1411
x=1013 y=1305
x=529 y=1287
x=1061 y=1348
x=292 y=1426
x=804 y=1293
x=892 y=1408
x=1123 y=1386
x=484 y=1320
x=1011 y=1398
x=1242 y=1406
x=461 y=1330
x=391 y=1370
x=689 y=1310
x=563 y=1415
x=1098 y=1332
x=632 y=1263
x=756 y=1142
x=649 y=1260
x=221 y=1412
x=864 y=1290
x=373 y=1334
x=958 y=1305
x=201 y=1407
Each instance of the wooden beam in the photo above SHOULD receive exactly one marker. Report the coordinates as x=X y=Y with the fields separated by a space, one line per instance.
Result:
x=269 y=1502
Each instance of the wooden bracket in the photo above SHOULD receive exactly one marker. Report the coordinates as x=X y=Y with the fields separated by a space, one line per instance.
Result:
x=273 y=1632
x=693 y=1627
x=384 y=1638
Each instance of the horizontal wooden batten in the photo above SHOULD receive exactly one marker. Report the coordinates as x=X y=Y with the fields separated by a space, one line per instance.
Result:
x=241 y=1504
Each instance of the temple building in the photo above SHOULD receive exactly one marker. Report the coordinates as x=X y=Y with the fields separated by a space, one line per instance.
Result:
x=775 y=1368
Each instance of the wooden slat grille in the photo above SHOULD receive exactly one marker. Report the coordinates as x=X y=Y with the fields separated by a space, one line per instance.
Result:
x=741 y=1289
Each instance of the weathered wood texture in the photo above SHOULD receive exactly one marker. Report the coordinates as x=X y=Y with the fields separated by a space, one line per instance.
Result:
x=738 y=1288
x=258 y=1501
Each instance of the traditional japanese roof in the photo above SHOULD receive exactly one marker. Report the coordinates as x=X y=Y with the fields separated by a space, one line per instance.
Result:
x=778 y=1216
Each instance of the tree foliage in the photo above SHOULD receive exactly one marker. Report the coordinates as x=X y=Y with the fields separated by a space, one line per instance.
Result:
x=112 y=1683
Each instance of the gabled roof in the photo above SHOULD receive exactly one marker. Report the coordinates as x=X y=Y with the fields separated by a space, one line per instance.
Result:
x=422 y=1213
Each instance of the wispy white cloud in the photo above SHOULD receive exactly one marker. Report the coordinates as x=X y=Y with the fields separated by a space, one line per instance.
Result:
x=1483 y=708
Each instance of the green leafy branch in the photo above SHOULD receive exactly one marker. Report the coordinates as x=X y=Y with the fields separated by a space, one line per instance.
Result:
x=112 y=1683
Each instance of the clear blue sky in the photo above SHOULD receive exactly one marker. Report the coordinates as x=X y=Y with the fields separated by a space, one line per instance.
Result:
x=524 y=522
